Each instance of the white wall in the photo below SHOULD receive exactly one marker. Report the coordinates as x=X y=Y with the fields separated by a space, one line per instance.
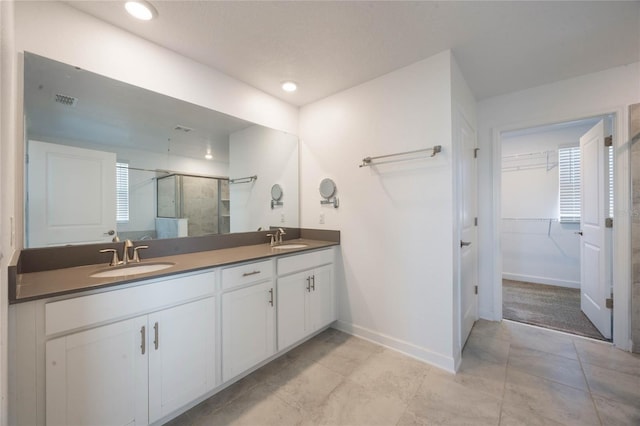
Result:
x=594 y=94
x=396 y=220
x=272 y=156
x=537 y=250
x=8 y=159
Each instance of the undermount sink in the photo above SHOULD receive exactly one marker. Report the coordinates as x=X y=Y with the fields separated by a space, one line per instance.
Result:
x=135 y=269
x=290 y=246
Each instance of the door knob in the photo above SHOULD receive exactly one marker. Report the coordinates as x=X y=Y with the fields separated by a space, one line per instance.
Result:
x=578 y=232
x=465 y=243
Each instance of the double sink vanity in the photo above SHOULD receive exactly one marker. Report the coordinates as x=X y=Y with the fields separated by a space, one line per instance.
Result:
x=143 y=342
x=96 y=337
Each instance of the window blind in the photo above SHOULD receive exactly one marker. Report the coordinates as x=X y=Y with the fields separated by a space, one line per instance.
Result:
x=569 y=177
x=122 y=192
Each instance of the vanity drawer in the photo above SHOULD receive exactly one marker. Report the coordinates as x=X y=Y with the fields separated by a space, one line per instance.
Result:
x=300 y=262
x=155 y=294
x=246 y=274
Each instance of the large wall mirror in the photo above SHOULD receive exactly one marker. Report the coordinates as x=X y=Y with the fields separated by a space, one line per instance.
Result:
x=107 y=159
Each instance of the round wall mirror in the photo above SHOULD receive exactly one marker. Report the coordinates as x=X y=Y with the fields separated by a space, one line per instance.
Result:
x=327 y=188
x=276 y=192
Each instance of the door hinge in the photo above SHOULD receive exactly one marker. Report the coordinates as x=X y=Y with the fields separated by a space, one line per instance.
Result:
x=608 y=222
x=608 y=141
x=476 y=289
x=609 y=303
x=475 y=152
x=26 y=159
x=475 y=221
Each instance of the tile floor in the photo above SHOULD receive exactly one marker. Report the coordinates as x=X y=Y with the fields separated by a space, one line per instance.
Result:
x=511 y=374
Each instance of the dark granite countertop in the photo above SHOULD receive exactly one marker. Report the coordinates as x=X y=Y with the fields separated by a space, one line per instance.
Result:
x=43 y=284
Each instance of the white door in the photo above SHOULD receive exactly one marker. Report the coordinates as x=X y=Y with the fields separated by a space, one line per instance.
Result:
x=248 y=328
x=71 y=195
x=595 y=267
x=468 y=274
x=322 y=309
x=181 y=356
x=293 y=293
x=99 y=376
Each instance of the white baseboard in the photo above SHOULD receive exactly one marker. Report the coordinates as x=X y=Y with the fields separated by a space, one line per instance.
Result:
x=422 y=354
x=540 y=280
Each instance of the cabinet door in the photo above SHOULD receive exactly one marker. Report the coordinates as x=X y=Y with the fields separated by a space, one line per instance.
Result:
x=322 y=304
x=292 y=297
x=99 y=376
x=248 y=325
x=181 y=355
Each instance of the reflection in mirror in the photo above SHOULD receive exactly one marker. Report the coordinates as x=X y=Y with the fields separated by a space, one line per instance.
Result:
x=108 y=159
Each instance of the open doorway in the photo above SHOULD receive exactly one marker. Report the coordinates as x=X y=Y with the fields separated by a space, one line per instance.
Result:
x=548 y=263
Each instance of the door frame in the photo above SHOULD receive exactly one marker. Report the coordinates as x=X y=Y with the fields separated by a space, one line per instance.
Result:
x=622 y=219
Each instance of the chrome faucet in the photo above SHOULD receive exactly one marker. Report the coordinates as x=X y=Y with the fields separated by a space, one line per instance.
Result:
x=279 y=233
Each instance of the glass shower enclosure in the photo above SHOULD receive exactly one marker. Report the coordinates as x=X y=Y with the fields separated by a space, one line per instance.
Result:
x=192 y=205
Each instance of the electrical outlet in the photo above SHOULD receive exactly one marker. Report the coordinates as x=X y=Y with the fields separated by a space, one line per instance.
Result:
x=282 y=218
x=321 y=218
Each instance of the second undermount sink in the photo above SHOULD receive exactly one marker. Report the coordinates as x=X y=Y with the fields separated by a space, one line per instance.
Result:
x=290 y=246
x=134 y=269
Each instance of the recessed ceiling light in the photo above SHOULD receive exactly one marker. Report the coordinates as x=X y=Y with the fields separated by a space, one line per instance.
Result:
x=141 y=9
x=289 y=86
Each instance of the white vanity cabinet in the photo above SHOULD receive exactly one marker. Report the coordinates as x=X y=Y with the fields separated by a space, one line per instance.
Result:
x=306 y=300
x=248 y=317
x=142 y=352
x=181 y=347
x=134 y=371
x=98 y=377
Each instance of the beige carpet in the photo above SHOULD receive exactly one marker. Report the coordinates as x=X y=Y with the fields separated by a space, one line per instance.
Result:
x=548 y=306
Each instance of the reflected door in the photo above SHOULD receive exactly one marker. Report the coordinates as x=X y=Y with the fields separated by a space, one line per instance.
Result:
x=71 y=195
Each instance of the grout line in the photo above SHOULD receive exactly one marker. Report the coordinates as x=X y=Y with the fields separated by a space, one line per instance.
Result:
x=595 y=407
x=504 y=384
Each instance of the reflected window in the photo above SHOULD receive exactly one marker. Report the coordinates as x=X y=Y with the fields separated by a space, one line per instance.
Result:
x=122 y=192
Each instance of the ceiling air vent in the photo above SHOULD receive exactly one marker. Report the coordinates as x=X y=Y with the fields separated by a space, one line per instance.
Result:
x=66 y=100
x=182 y=128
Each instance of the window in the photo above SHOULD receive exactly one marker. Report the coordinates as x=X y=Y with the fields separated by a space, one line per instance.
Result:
x=569 y=174
x=122 y=192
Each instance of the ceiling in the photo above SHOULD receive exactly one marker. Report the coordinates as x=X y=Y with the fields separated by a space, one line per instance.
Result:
x=328 y=46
